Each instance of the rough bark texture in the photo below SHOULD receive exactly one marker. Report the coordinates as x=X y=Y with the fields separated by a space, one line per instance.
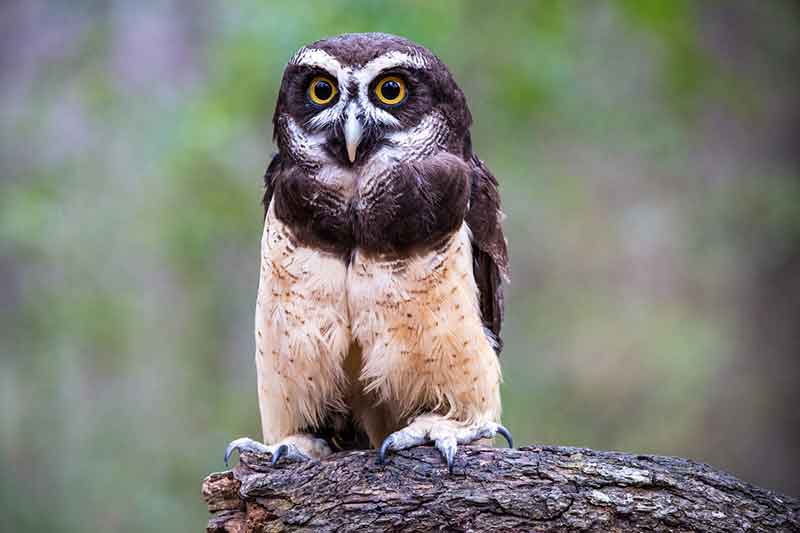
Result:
x=529 y=489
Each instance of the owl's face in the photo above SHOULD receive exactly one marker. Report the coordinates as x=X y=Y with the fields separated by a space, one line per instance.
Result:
x=368 y=99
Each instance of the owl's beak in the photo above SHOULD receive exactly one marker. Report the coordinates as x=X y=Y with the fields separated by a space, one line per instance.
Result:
x=352 y=134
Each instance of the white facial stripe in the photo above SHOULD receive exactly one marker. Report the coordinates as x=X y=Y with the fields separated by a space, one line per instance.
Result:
x=424 y=137
x=306 y=146
x=329 y=115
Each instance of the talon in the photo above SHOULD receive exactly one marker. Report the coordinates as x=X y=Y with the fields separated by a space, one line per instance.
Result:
x=447 y=447
x=237 y=445
x=243 y=444
x=387 y=444
x=278 y=453
x=507 y=434
x=229 y=451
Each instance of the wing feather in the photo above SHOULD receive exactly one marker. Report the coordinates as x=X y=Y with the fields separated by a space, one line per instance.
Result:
x=489 y=250
x=269 y=181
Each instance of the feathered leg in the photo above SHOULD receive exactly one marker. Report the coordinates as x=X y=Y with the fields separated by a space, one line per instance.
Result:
x=425 y=350
x=302 y=338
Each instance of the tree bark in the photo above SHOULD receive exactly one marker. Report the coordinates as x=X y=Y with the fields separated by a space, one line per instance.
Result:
x=529 y=489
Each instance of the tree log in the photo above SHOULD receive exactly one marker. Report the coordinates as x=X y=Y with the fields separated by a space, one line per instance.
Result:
x=529 y=489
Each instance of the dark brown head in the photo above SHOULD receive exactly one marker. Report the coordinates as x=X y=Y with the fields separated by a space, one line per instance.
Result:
x=349 y=98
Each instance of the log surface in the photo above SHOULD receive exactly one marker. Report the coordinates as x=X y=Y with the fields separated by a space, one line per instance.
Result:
x=492 y=489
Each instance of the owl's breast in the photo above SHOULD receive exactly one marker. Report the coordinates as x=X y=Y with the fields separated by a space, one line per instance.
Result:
x=418 y=322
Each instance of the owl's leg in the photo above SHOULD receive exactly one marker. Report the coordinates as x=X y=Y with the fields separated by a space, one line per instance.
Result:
x=299 y=447
x=302 y=338
x=444 y=433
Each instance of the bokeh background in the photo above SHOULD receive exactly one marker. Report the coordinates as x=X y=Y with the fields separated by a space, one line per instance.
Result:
x=648 y=157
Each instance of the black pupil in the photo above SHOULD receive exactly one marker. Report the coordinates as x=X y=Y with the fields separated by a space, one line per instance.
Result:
x=390 y=90
x=323 y=90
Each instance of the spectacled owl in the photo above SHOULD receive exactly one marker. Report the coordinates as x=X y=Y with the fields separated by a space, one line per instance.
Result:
x=379 y=306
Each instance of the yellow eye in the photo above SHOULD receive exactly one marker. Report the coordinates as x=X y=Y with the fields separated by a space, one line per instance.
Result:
x=391 y=90
x=321 y=90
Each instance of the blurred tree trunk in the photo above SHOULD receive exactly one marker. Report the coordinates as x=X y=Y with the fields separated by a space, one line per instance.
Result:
x=530 y=489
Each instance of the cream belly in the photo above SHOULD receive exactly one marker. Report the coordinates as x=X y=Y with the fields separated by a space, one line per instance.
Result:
x=302 y=332
x=418 y=323
x=411 y=326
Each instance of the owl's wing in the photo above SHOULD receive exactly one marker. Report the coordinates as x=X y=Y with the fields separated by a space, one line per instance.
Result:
x=269 y=181
x=489 y=252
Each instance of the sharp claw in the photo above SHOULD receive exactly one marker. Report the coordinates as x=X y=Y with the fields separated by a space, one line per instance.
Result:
x=237 y=445
x=228 y=452
x=449 y=455
x=507 y=434
x=243 y=444
x=387 y=444
x=279 y=452
x=448 y=449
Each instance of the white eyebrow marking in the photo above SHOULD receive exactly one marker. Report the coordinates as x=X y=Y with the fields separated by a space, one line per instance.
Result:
x=392 y=59
x=314 y=57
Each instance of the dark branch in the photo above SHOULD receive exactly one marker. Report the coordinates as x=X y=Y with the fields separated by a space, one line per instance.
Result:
x=530 y=489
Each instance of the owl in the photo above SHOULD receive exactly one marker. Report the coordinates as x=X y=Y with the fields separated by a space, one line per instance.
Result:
x=379 y=307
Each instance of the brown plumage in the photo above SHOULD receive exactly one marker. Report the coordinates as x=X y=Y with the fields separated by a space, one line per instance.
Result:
x=380 y=300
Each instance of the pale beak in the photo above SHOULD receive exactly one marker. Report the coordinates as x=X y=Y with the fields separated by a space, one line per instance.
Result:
x=352 y=134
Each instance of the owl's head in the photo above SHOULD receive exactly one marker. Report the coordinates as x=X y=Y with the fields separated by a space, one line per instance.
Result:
x=352 y=98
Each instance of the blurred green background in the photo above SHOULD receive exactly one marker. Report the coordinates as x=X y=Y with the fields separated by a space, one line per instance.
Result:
x=648 y=158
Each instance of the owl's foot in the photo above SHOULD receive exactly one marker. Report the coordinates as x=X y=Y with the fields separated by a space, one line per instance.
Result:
x=300 y=447
x=445 y=434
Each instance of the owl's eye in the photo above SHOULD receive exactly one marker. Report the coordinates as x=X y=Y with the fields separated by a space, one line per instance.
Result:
x=391 y=90
x=321 y=90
